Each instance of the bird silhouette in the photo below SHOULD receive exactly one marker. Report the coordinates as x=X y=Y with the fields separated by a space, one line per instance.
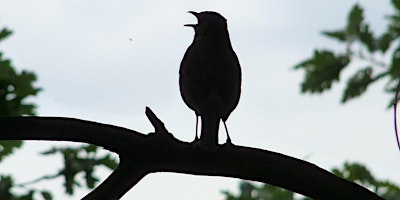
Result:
x=210 y=75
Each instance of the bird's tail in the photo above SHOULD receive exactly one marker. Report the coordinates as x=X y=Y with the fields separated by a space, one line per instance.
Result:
x=209 y=130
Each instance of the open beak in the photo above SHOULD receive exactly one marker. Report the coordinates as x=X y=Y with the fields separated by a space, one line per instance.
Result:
x=195 y=14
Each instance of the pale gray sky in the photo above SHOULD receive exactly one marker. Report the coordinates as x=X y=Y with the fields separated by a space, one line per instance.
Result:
x=89 y=69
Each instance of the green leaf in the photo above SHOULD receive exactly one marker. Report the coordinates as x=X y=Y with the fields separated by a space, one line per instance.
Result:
x=250 y=191
x=90 y=178
x=322 y=70
x=384 y=42
x=4 y=33
x=109 y=162
x=354 y=172
x=90 y=148
x=394 y=26
x=358 y=173
x=71 y=169
x=367 y=38
x=81 y=159
x=338 y=35
x=46 y=195
x=354 y=20
x=391 y=87
x=388 y=190
x=394 y=73
x=14 y=89
x=8 y=147
x=394 y=70
x=358 y=84
x=273 y=192
x=246 y=190
x=396 y=4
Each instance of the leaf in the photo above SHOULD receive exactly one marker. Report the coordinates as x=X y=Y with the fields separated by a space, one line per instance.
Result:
x=384 y=41
x=394 y=70
x=4 y=33
x=388 y=190
x=358 y=172
x=109 y=162
x=394 y=73
x=321 y=70
x=391 y=87
x=8 y=147
x=367 y=38
x=246 y=190
x=46 y=195
x=14 y=89
x=90 y=178
x=71 y=169
x=357 y=84
x=396 y=4
x=90 y=148
x=78 y=160
x=272 y=192
x=394 y=26
x=338 y=35
x=354 y=20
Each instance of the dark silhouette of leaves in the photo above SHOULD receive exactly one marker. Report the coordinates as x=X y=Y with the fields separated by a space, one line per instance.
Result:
x=358 y=84
x=355 y=20
x=384 y=42
x=339 y=35
x=322 y=70
x=354 y=172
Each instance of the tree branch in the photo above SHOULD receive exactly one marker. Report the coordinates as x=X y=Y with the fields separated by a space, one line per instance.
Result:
x=160 y=152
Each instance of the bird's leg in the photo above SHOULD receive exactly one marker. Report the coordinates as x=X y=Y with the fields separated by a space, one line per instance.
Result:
x=228 y=138
x=197 y=123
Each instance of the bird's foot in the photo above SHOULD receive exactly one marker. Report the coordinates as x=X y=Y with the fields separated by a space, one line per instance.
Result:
x=228 y=142
x=196 y=140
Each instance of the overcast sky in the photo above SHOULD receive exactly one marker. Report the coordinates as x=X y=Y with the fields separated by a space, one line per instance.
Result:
x=106 y=60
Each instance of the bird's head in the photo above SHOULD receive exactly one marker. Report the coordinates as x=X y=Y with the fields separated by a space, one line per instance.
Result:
x=211 y=25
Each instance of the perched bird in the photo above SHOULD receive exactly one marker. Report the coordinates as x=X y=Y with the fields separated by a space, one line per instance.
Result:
x=210 y=75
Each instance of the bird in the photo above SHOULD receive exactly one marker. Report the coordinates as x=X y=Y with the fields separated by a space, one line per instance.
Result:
x=210 y=75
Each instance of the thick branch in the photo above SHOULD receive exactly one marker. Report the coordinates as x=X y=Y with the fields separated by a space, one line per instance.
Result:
x=110 y=137
x=142 y=154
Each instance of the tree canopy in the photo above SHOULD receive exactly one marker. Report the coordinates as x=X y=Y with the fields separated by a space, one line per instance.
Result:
x=15 y=88
x=361 y=47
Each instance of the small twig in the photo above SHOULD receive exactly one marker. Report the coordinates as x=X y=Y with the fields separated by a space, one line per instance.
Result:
x=38 y=180
x=157 y=123
x=395 y=114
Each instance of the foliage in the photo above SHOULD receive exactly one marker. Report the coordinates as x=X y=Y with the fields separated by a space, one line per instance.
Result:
x=360 y=174
x=15 y=88
x=6 y=184
x=355 y=172
x=82 y=159
x=325 y=67
x=322 y=70
x=250 y=191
